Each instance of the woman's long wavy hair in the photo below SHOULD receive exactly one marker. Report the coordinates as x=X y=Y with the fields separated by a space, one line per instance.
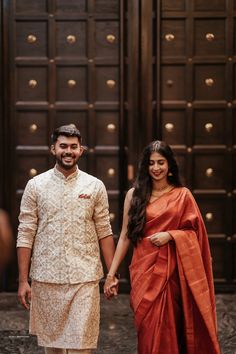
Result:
x=143 y=187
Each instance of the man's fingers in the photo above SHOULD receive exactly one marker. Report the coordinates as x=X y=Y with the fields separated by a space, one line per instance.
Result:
x=24 y=300
x=29 y=296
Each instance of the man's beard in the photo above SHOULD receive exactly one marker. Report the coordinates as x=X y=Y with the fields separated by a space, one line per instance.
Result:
x=65 y=166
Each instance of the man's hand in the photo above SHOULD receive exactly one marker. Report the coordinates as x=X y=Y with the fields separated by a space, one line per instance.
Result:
x=24 y=294
x=111 y=287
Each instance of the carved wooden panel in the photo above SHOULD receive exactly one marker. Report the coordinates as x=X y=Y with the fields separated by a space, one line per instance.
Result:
x=208 y=171
x=31 y=7
x=214 y=213
x=172 y=41
x=71 y=39
x=173 y=82
x=71 y=84
x=197 y=111
x=31 y=39
x=209 y=37
x=70 y=6
x=107 y=84
x=210 y=82
x=32 y=128
x=168 y=5
x=212 y=6
x=31 y=83
x=107 y=124
x=65 y=65
x=174 y=127
x=30 y=166
x=210 y=125
x=107 y=39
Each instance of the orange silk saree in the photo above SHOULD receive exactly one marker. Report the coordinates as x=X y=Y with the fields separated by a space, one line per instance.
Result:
x=172 y=291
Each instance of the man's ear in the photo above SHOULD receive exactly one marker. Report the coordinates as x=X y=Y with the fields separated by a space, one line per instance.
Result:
x=52 y=149
x=81 y=150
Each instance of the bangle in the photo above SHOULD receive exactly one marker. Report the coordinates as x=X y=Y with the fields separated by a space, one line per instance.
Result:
x=116 y=275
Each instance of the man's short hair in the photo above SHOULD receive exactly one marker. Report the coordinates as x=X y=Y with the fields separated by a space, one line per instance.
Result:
x=66 y=130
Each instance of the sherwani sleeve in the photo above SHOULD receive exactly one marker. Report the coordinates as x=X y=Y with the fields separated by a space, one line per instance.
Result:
x=101 y=212
x=28 y=218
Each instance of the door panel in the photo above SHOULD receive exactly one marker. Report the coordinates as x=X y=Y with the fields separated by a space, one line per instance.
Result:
x=210 y=126
x=213 y=5
x=32 y=128
x=31 y=84
x=30 y=166
x=173 y=83
x=208 y=171
x=126 y=73
x=71 y=84
x=196 y=113
x=66 y=64
x=30 y=7
x=174 y=130
x=209 y=82
x=172 y=43
x=31 y=39
x=209 y=37
x=71 y=39
x=107 y=84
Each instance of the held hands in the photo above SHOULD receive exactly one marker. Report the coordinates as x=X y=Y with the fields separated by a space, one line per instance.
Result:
x=111 y=286
x=24 y=294
x=160 y=238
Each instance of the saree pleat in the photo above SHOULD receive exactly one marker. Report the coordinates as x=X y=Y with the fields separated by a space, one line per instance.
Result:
x=172 y=292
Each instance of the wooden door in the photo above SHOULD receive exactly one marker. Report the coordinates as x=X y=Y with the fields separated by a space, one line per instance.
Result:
x=125 y=72
x=190 y=73
x=64 y=64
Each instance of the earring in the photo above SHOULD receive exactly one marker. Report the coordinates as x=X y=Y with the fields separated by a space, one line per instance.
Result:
x=170 y=174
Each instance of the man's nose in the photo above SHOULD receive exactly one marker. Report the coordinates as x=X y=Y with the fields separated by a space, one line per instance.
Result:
x=68 y=149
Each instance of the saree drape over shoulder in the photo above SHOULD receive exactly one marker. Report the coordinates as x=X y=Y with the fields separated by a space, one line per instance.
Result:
x=172 y=286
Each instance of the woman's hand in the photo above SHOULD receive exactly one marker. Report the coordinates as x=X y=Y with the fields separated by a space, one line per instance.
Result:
x=111 y=286
x=160 y=238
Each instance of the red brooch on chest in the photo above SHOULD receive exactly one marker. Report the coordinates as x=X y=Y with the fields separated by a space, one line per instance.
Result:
x=85 y=196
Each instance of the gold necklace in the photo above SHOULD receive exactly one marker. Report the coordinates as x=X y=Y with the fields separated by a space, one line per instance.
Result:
x=160 y=190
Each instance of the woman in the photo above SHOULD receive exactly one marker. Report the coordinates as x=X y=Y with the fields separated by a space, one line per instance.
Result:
x=172 y=292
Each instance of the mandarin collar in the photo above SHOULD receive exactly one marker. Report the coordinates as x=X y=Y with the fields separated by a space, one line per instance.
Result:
x=70 y=177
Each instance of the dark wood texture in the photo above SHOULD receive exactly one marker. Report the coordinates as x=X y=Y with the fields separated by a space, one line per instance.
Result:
x=66 y=65
x=197 y=115
x=125 y=72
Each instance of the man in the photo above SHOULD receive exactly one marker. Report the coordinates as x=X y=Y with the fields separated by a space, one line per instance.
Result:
x=64 y=218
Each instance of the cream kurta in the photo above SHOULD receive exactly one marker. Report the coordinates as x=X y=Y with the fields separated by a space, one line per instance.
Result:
x=62 y=219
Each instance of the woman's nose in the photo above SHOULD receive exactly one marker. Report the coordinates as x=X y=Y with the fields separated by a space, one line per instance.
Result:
x=155 y=166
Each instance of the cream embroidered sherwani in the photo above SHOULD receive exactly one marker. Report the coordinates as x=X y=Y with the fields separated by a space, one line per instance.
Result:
x=62 y=220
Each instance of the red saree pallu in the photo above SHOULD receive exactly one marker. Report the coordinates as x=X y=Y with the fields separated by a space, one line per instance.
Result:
x=172 y=291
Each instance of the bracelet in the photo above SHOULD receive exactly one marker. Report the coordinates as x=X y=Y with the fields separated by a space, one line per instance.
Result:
x=116 y=275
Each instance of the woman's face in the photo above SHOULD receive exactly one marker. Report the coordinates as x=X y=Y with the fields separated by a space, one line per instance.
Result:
x=158 y=167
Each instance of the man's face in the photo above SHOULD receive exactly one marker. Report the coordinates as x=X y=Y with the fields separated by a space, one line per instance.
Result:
x=67 y=151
